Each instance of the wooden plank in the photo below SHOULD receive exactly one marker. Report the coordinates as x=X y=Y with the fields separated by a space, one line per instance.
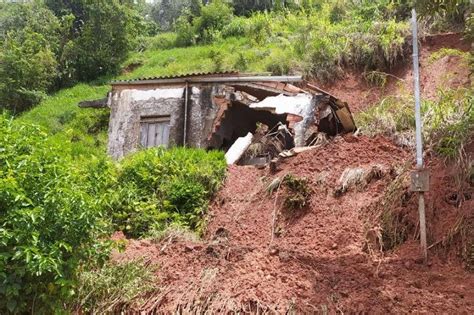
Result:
x=143 y=134
x=166 y=134
x=151 y=135
x=158 y=134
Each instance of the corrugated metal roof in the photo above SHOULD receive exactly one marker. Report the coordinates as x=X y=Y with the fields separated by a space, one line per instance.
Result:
x=179 y=76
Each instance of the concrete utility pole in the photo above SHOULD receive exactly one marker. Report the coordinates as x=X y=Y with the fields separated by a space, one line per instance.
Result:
x=420 y=179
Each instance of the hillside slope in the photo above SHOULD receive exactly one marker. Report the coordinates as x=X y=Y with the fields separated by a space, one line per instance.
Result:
x=346 y=251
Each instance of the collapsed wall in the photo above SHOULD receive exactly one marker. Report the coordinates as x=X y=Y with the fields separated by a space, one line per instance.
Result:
x=214 y=115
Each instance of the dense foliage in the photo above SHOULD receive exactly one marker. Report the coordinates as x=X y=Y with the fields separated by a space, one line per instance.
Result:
x=56 y=212
x=158 y=187
x=44 y=47
x=50 y=220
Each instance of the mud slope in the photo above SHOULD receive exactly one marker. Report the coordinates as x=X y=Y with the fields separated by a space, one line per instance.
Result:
x=445 y=72
x=322 y=258
x=345 y=253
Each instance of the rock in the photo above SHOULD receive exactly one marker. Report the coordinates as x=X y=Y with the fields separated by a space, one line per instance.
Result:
x=334 y=246
x=407 y=264
x=284 y=256
x=273 y=251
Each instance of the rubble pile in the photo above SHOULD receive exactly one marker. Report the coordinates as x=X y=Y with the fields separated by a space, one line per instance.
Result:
x=284 y=124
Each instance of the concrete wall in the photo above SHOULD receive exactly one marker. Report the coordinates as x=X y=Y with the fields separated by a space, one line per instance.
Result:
x=129 y=104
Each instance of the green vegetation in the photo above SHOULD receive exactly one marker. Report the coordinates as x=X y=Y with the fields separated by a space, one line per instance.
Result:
x=443 y=52
x=45 y=46
x=114 y=285
x=448 y=122
x=60 y=195
x=56 y=212
x=50 y=219
x=299 y=192
x=280 y=42
x=158 y=187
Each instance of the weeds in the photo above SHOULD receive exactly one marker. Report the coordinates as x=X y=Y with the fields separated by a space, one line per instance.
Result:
x=114 y=286
x=297 y=194
x=443 y=52
x=447 y=123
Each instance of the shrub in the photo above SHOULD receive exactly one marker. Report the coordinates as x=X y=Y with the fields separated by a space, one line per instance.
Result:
x=163 y=41
x=50 y=221
x=279 y=62
x=213 y=18
x=259 y=27
x=185 y=33
x=157 y=187
x=447 y=123
x=299 y=192
x=237 y=27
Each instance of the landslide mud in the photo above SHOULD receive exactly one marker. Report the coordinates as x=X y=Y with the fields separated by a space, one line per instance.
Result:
x=319 y=260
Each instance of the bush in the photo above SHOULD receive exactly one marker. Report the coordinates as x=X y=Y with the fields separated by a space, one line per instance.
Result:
x=157 y=187
x=163 y=41
x=212 y=20
x=279 y=62
x=237 y=27
x=185 y=32
x=50 y=220
x=206 y=27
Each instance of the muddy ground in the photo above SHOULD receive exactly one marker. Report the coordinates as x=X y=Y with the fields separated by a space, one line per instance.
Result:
x=343 y=251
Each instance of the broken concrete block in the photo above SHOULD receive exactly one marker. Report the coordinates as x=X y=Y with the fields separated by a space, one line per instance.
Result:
x=238 y=149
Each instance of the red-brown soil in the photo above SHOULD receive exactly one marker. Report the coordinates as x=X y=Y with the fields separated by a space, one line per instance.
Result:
x=320 y=259
x=447 y=72
x=326 y=258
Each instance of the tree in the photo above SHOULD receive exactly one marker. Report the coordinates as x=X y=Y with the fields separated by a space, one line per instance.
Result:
x=29 y=39
x=246 y=7
x=109 y=32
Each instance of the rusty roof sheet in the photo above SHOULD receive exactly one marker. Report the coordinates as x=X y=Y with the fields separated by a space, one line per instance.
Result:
x=179 y=76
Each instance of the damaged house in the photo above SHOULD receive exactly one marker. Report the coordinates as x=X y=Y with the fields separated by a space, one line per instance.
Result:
x=250 y=117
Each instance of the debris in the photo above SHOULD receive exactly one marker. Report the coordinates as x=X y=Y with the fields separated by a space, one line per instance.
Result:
x=238 y=148
x=102 y=103
x=358 y=177
x=266 y=145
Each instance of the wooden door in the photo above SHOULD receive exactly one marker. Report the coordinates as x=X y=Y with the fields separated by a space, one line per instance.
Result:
x=154 y=132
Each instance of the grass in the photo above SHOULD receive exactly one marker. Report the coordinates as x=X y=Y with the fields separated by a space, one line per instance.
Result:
x=448 y=122
x=280 y=43
x=443 y=52
x=114 y=286
x=81 y=131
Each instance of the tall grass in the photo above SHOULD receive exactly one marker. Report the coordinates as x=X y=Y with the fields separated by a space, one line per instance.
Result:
x=448 y=122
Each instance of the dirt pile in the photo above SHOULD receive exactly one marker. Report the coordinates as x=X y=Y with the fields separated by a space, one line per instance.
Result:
x=322 y=258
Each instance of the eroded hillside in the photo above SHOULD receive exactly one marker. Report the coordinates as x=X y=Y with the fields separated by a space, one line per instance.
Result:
x=352 y=246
